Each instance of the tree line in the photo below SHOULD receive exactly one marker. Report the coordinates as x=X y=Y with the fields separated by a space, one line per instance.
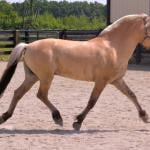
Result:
x=43 y=14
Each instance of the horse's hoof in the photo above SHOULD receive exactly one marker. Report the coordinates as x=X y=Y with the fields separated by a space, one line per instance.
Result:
x=59 y=122
x=76 y=126
x=1 y=95
x=1 y=120
x=144 y=116
x=57 y=118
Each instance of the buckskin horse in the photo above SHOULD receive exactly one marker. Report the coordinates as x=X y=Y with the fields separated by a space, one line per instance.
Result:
x=103 y=60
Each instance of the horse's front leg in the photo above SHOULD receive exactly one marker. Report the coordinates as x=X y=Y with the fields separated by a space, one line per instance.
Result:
x=122 y=86
x=98 y=88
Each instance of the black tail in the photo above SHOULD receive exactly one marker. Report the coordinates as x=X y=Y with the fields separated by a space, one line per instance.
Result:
x=6 y=77
x=15 y=56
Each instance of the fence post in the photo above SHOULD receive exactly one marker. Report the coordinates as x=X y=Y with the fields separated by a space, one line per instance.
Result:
x=16 y=37
x=37 y=35
x=62 y=34
x=27 y=36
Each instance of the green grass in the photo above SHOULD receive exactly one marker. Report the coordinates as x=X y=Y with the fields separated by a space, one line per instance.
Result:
x=4 y=57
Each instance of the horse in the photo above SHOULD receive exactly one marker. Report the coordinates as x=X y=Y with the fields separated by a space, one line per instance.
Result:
x=102 y=60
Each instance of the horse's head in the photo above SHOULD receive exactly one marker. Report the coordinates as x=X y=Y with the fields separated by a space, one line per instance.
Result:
x=146 y=36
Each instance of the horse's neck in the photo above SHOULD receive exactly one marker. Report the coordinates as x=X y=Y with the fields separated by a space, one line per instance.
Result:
x=122 y=38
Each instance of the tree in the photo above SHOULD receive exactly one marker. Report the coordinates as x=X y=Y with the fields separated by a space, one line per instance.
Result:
x=37 y=14
x=9 y=17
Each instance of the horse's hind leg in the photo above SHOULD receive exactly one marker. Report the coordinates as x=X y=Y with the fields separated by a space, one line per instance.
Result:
x=30 y=79
x=122 y=86
x=98 y=88
x=43 y=96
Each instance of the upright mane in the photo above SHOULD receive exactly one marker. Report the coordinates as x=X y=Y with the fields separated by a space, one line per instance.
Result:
x=120 y=22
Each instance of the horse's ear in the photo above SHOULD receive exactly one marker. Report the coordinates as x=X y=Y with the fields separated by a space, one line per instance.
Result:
x=144 y=15
x=146 y=20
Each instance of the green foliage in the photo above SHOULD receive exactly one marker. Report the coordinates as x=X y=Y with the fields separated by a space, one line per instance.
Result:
x=46 y=21
x=8 y=16
x=40 y=14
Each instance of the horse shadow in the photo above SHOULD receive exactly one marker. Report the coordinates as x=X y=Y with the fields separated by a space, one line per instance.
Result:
x=54 y=132
x=4 y=131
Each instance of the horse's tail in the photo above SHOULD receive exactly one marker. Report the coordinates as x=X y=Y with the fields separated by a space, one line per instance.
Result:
x=15 y=56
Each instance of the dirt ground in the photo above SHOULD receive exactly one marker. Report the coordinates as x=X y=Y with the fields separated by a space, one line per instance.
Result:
x=113 y=124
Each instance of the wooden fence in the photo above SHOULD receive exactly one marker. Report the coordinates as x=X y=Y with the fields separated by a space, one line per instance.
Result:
x=9 y=38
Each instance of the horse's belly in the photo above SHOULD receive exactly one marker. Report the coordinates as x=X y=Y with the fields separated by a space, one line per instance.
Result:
x=77 y=77
x=77 y=74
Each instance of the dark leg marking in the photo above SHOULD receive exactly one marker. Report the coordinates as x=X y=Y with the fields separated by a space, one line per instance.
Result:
x=5 y=116
x=143 y=115
x=57 y=118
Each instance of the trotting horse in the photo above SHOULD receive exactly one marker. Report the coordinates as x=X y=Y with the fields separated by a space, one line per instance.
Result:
x=103 y=60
